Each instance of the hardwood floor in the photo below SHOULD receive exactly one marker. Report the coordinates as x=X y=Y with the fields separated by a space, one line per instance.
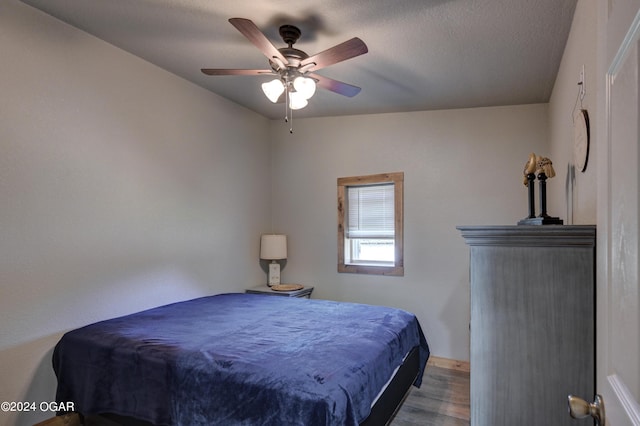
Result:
x=442 y=400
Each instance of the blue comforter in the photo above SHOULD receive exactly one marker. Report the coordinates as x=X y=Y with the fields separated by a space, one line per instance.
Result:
x=238 y=359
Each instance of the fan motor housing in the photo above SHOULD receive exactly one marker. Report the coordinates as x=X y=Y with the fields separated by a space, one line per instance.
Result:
x=290 y=34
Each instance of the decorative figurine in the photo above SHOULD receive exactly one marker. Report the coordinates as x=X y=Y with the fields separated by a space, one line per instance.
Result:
x=530 y=167
x=544 y=165
x=544 y=169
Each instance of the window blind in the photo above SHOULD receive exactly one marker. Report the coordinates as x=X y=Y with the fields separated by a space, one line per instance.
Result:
x=371 y=211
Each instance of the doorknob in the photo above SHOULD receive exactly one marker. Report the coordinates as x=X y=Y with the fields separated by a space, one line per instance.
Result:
x=579 y=408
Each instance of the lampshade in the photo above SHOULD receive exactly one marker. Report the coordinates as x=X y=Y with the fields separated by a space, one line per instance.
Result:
x=297 y=101
x=273 y=89
x=273 y=246
x=305 y=86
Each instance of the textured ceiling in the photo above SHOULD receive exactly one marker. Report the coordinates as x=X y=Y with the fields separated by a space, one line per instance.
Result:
x=423 y=54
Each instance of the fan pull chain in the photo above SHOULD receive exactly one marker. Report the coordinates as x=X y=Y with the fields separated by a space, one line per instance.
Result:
x=291 y=121
x=286 y=105
x=288 y=112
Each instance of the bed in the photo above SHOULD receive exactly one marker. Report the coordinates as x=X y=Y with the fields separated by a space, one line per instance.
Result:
x=245 y=359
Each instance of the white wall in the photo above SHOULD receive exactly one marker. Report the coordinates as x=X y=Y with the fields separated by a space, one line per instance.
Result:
x=579 y=205
x=462 y=167
x=122 y=187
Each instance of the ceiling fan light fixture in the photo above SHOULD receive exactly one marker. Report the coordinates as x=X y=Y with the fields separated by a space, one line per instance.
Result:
x=273 y=89
x=290 y=65
x=297 y=100
x=305 y=86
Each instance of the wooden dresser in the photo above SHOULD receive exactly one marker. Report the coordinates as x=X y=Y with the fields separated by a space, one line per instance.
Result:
x=532 y=322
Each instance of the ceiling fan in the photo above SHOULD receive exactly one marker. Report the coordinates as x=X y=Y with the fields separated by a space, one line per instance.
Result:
x=293 y=68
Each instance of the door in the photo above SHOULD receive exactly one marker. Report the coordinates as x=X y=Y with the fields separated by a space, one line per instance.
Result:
x=618 y=330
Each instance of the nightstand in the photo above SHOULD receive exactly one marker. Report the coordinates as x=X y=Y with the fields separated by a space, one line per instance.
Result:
x=304 y=292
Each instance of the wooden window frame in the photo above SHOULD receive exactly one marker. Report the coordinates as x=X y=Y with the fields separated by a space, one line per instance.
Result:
x=397 y=179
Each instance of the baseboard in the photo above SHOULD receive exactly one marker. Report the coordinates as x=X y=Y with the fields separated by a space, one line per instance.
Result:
x=451 y=364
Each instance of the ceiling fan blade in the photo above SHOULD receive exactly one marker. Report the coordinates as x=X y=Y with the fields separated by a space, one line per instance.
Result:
x=335 y=85
x=255 y=36
x=338 y=53
x=217 y=71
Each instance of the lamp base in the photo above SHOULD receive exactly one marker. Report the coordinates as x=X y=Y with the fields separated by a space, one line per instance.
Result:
x=274 y=274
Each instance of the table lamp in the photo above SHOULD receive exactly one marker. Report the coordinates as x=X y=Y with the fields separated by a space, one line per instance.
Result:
x=273 y=247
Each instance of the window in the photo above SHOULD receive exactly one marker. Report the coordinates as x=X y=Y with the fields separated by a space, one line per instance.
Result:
x=370 y=224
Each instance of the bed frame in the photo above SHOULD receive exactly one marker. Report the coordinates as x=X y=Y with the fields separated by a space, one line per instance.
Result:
x=386 y=407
